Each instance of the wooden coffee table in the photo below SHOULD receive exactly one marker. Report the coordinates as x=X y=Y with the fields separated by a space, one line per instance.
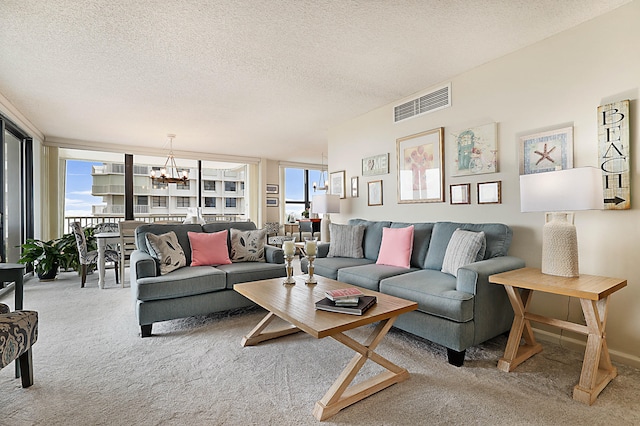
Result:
x=296 y=305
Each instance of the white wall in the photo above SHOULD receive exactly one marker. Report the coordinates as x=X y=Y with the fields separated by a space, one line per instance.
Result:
x=559 y=81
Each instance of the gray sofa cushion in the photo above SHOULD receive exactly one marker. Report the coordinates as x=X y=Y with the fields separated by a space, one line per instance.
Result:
x=369 y=276
x=251 y=271
x=328 y=266
x=498 y=239
x=182 y=282
x=421 y=239
x=372 y=236
x=434 y=291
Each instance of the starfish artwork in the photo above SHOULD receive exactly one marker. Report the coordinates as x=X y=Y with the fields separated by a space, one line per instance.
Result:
x=545 y=154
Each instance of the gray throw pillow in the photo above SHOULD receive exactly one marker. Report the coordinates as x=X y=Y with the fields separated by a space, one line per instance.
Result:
x=167 y=250
x=248 y=246
x=346 y=241
x=464 y=247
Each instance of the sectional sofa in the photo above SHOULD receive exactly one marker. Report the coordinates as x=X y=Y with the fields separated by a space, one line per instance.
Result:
x=193 y=290
x=457 y=309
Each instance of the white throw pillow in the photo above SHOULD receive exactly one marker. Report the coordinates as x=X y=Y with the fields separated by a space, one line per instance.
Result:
x=248 y=246
x=464 y=247
x=167 y=250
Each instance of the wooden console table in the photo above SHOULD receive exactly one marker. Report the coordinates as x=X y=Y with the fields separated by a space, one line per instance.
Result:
x=593 y=292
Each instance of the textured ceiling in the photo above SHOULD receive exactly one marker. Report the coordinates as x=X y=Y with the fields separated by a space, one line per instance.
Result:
x=260 y=78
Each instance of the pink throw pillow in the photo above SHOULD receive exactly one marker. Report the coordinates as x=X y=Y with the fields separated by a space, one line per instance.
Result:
x=396 y=247
x=209 y=249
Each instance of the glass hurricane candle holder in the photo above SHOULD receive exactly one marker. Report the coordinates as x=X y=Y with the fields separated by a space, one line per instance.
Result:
x=310 y=250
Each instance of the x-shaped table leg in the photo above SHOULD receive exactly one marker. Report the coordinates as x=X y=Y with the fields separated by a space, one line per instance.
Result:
x=341 y=394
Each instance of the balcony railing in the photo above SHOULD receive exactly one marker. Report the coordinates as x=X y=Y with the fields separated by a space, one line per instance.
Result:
x=89 y=221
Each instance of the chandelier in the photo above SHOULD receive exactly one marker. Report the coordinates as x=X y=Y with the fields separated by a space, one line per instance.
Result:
x=169 y=173
x=323 y=178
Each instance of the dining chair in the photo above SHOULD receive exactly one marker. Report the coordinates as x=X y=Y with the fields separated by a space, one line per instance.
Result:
x=107 y=227
x=18 y=333
x=87 y=257
x=127 y=230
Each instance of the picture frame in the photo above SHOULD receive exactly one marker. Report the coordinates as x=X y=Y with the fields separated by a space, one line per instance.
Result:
x=546 y=151
x=337 y=183
x=272 y=188
x=375 y=165
x=374 y=193
x=354 y=187
x=490 y=192
x=476 y=150
x=421 y=167
x=273 y=202
x=460 y=193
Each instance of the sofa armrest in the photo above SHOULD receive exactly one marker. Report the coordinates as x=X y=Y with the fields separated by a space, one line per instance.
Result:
x=143 y=265
x=273 y=254
x=492 y=311
x=471 y=277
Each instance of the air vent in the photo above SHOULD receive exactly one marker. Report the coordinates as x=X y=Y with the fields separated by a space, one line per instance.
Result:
x=432 y=101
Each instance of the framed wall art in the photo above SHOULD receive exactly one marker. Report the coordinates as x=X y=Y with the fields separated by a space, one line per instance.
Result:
x=460 y=193
x=337 y=183
x=272 y=188
x=354 y=187
x=272 y=202
x=421 y=167
x=476 y=150
x=376 y=165
x=374 y=193
x=490 y=192
x=546 y=151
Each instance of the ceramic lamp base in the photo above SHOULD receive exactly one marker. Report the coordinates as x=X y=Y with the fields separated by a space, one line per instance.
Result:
x=560 y=246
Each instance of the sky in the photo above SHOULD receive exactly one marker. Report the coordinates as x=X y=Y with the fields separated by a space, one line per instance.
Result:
x=78 y=198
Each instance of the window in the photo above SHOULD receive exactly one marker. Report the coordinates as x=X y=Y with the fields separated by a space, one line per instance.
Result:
x=298 y=189
x=230 y=202
x=143 y=200
x=230 y=186
x=182 y=202
x=209 y=185
x=159 y=201
x=156 y=184
x=209 y=201
x=183 y=185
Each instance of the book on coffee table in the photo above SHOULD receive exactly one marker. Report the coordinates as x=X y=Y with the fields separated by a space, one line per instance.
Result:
x=329 y=305
x=343 y=293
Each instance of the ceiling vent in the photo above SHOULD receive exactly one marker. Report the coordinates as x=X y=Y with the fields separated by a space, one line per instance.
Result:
x=438 y=99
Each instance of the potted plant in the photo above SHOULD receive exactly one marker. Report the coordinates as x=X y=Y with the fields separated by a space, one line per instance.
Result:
x=45 y=257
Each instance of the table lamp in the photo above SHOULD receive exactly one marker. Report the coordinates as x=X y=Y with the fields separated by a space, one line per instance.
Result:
x=325 y=204
x=559 y=193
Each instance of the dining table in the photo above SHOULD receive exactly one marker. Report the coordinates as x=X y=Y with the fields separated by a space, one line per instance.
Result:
x=104 y=239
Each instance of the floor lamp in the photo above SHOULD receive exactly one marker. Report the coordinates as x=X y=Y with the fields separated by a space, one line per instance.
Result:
x=559 y=193
x=325 y=204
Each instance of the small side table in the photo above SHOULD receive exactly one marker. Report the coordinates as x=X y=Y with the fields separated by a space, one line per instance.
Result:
x=14 y=272
x=593 y=292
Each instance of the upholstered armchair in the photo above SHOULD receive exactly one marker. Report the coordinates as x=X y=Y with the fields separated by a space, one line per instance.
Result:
x=18 y=332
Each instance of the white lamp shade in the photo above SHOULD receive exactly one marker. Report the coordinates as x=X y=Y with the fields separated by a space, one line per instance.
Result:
x=326 y=203
x=562 y=190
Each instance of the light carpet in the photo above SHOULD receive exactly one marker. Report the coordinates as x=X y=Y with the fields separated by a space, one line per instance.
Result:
x=92 y=368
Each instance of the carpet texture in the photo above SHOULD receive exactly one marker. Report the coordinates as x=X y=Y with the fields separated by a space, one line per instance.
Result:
x=92 y=368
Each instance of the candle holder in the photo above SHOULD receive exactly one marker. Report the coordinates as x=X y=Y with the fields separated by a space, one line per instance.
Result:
x=312 y=278
x=289 y=280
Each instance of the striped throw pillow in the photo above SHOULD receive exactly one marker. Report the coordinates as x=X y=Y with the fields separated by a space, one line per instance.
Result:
x=464 y=247
x=346 y=241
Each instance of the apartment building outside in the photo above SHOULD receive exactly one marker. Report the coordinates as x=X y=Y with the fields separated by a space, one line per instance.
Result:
x=222 y=192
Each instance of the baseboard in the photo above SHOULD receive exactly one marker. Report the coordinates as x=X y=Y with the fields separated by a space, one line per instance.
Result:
x=579 y=345
x=8 y=288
